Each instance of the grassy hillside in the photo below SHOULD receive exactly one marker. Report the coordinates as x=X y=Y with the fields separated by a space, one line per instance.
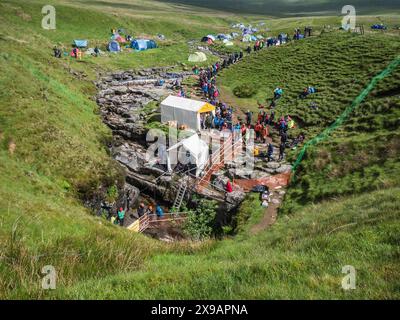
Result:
x=53 y=154
x=53 y=145
x=301 y=257
x=363 y=153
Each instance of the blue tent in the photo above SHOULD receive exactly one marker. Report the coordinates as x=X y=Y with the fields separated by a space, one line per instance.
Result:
x=143 y=44
x=80 y=43
x=378 y=27
x=114 y=46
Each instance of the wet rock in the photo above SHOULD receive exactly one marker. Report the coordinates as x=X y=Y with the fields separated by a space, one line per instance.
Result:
x=120 y=90
x=234 y=199
x=284 y=168
x=219 y=180
x=275 y=201
x=273 y=165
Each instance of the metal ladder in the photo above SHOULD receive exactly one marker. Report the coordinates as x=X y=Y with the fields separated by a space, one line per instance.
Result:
x=179 y=196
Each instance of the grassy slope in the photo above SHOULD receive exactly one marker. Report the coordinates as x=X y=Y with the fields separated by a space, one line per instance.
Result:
x=60 y=151
x=363 y=153
x=301 y=257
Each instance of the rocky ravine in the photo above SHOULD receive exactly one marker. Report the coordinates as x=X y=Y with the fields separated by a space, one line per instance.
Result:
x=124 y=99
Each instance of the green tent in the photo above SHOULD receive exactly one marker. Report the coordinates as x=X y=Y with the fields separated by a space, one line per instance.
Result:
x=197 y=57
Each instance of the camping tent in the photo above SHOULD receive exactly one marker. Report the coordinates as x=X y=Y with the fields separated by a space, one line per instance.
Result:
x=143 y=44
x=196 y=148
x=222 y=36
x=209 y=39
x=80 y=43
x=378 y=27
x=114 y=46
x=247 y=38
x=197 y=57
x=228 y=43
x=184 y=111
x=120 y=39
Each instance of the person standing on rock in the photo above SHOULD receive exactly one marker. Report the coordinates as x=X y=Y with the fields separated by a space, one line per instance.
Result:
x=140 y=210
x=281 y=151
x=159 y=211
x=264 y=133
x=128 y=200
x=270 y=152
x=229 y=187
x=121 y=216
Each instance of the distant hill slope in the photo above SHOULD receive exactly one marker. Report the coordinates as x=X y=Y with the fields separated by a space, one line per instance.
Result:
x=294 y=7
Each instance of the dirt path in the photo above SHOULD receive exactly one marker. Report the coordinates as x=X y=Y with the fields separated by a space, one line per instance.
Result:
x=270 y=214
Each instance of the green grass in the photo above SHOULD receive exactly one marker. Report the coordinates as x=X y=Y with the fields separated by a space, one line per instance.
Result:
x=362 y=154
x=47 y=113
x=300 y=257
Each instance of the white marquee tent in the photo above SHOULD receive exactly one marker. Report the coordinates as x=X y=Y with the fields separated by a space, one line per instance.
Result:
x=184 y=111
x=198 y=150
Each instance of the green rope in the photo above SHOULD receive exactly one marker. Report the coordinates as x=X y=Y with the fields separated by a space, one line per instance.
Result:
x=339 y=121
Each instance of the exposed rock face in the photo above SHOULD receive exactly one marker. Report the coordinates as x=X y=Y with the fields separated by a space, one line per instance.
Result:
x=123 y=96
x=124 y=99
x=127 y=100
x=234 y=199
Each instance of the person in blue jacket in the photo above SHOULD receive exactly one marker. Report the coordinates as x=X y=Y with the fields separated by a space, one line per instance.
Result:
x=159 y=211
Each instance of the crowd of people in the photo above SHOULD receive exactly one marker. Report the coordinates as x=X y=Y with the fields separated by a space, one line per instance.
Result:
x=118 y=217
x=223 y=117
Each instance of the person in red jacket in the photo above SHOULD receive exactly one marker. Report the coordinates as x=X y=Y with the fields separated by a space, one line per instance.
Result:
x=229 y=187
x=258 y=129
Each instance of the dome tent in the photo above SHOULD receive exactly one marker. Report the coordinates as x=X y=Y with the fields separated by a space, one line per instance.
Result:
x=228 y=43
x=197 y=57
x=209 y=39
x=114 y=46
x=143 y=44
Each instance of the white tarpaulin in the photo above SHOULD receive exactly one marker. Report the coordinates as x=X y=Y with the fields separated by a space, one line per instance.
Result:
x=184 y=111
x=198 y=150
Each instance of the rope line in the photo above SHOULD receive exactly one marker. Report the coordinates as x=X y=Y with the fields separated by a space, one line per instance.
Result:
x=343 y=117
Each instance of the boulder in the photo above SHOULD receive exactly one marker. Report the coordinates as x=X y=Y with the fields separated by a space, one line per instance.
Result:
x=219 y=180
x=234 y=199
x=273 y=165
x=284 y=168
x=120 y=90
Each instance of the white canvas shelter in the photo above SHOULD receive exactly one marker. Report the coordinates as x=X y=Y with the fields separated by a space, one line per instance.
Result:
x=198 y=150
x=197 y=57
x=184 y=111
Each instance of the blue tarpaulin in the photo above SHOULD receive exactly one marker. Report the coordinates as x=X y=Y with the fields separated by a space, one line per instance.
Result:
x=80 y=43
